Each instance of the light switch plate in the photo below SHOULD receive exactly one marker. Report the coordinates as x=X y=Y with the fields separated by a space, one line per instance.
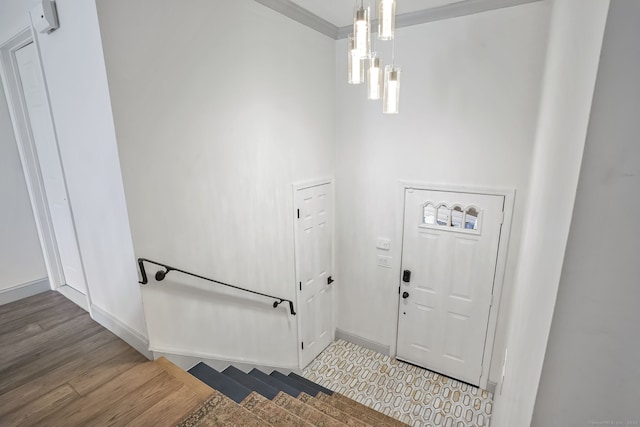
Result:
x=383 y=243
x=384 y=261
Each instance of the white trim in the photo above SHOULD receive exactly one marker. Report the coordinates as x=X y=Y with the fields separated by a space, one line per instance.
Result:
x=28 y=155
x=363 y=342
x=302 y=16
x=31 y=165
x=124 y=332
x=297 y=186
x=24 y=290
x=218 y=357
x=75 y=296
x=501 y=260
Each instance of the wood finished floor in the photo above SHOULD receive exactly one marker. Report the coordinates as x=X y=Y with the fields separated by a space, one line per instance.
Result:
x=60 y=368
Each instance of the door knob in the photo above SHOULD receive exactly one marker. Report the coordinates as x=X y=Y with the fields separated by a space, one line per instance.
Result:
x=405 y=295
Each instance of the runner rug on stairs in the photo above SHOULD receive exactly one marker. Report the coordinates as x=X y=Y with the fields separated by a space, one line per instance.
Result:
x=257 y=399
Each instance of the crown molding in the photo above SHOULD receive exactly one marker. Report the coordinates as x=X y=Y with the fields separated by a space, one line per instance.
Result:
x=302 y=15
x=461 y=8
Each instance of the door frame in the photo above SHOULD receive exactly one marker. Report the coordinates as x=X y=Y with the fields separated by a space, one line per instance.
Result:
x=301 y=185
x=509 y=195
x=16 y=103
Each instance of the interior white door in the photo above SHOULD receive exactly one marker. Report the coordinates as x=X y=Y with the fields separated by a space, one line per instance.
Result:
x=314 y=259
x=50 y=166
x=450 y=248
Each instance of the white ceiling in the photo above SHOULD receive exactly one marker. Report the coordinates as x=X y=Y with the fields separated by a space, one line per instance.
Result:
x=340 y=12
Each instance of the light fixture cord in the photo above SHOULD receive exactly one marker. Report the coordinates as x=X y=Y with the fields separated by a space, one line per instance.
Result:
x=393 y=51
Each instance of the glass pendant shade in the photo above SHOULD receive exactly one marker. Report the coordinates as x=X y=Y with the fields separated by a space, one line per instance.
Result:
x=362 y=31
x=386 y=19
x=391 y=98
x=374 y=78
x=355 y=64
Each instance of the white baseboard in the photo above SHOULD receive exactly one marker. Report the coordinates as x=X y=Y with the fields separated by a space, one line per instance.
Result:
x=24 y=290
x=187 y=359
x=363 y=342
x=75 y=296
x=124 y=332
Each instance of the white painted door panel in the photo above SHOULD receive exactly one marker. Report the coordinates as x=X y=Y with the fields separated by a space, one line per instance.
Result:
x=314 y=255
x=444 y=308
x=50 y=166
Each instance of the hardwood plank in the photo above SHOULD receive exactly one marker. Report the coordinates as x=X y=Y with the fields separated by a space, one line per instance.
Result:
x=26 y=309
x=202 y=390
x=64 y=307
x=170 y=410
x=75 y=367
x=136 y=402
x=80 y=411
x=36 y=410
x=32 y=300
x=25 y=370
x=20 y=333
x=89 y=380
x=43 y=342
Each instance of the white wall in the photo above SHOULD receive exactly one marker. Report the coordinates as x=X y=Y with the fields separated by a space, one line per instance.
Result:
x=20 y=252
x=576 y=33
x=76 y=79
x=468 y=108
x=219 y=108
x=590 y=373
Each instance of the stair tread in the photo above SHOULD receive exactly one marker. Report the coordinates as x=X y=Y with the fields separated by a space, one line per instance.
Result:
x=295 y=383
x=271 y=412
x=310 y=383
x=360 y=411
x=222 y=411
x=276 y=383
x=220 y=382
x=169 y=410
x=202 y=390
x=306 y=412
x=251 y=382
x=332 y=411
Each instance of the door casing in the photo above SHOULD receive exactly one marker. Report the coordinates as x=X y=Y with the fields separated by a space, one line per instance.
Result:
x=509 y=200
x=30 y=163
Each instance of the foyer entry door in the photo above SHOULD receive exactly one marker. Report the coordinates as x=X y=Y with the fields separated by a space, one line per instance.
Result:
x=314 y=266
x=449 y=256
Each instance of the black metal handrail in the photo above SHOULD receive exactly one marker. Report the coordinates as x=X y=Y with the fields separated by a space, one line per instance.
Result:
x=160 y=275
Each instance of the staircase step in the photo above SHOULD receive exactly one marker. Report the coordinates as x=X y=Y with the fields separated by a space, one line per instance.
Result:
x=250 y=382
x=359 y=411
x=222 y=411
x=312 y=391
x=224 y=384
x=310 y=383
x=272 y=413
x=199 y=388
x=306 y=412
x=332 y=411
x=275 y=383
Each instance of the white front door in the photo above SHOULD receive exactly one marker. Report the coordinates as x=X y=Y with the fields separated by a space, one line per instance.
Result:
x=449 y=256
x=50 y=166
x=314 y=265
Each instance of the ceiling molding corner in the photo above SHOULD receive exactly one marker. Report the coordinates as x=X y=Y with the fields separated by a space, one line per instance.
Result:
x=301 y=15
x=452 y=10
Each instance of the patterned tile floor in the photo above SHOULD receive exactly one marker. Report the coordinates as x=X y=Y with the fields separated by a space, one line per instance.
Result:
x=411 y=394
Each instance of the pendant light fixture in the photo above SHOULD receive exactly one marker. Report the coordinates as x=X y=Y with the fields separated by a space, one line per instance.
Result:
x=362 y=30
x=374 y=78
x=355 y=63
x=385 y=85
x=391 y=98
x=386 y=19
